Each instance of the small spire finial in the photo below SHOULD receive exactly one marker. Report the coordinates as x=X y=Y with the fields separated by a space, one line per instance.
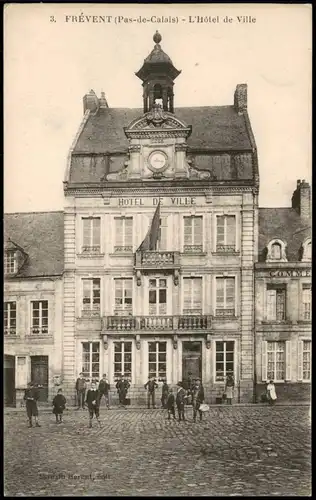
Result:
x=157 y=37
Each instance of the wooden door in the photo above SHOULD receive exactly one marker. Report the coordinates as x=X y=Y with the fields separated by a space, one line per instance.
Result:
x=191 y=360
x=39 y=375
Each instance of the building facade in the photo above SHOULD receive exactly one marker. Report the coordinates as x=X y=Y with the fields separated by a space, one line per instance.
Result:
x=284 y=297
x=33 y=304
x=181 y=303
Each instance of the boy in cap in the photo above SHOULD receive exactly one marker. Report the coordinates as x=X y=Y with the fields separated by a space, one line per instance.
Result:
x=180 y=401
x=197 y=398
x=93 y=403
x=164 y=394
x=31 y=397
x=59 y=404
x=151 y=386
x=104 y=388
x=170 y=405
x=122 y=387
x=81 y=390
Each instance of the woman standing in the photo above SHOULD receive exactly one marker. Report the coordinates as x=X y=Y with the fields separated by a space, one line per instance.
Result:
x=271 y=393
x=229 y=388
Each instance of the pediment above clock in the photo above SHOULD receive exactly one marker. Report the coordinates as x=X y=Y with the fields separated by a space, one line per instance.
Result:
x=157 y=120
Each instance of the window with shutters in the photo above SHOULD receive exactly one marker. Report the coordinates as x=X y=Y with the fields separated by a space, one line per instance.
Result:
x=225 y=297
x=91 y=360
x=10 y=262
x=123 y=359
x=307 y=302
x=10 y=318
x=276 y=303
x=39 y=317
x=91 y=296
x=224 y=359
x=123 y=234
x=123 y=296
x=225 y=233
x=162 y=243
x=157 y=359
x=307 y=344
x=192 y=296
x=193 y=234
x=276 y=361
x=91 y=241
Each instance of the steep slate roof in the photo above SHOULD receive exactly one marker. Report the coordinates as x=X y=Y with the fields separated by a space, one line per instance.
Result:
x=213 y=128
x=41 y=235
x=286 y=225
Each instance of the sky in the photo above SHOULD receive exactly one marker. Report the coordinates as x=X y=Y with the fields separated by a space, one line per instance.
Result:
x=51 y=61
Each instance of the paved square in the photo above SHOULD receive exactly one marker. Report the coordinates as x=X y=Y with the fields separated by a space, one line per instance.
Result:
x=237 y=450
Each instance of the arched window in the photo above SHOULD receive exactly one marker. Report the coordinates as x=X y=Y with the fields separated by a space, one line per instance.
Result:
x=307 y=250
x=276 y=251
x=158 y=94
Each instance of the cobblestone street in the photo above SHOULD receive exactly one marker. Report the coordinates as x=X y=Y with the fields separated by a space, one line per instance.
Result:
x=252 y=450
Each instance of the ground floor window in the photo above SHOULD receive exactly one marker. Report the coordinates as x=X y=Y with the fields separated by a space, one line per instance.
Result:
x=276 y=361
x=91 y=359
x=123 y=359
x=307 y=359
x=224 y=359
x=157 y=359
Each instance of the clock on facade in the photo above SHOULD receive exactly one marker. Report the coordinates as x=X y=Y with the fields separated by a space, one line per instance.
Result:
x=157 y=161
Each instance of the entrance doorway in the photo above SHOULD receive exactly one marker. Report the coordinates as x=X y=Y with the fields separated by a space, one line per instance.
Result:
x=192 y=359
x=39 y=375
x=9 y=380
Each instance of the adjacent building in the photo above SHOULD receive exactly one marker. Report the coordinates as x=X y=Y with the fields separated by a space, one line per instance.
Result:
x=283 y=340
x=147 y=305
x=33 y=303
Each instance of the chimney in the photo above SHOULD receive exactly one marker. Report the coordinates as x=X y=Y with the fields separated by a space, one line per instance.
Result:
x=90 y=101
x=102 y=101
x=240 y=98
x=301 y=199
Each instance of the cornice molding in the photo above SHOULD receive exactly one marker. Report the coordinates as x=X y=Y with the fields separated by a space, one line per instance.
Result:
x=154 y=188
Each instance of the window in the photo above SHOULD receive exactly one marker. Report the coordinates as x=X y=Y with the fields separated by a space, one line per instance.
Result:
x=225 y=296
x=123 y=296
x=276 y=301
x=226 y=233
x=10 y=262
x=91 y=235
x=162 y=241
x=276 y=361
x=39 y=315
x=157 y=297
x=276 y=250
x=157 y=359
x=307 y=359
x=123 y=234
x=91 y=359
x=193 y=234
x=224 y=359
x=192 y=295
x=307 y=301
x=123 y=359
x=10 y=318
x=91 y=296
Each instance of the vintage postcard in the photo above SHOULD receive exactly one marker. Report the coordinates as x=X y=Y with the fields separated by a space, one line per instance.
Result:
x=157 y=250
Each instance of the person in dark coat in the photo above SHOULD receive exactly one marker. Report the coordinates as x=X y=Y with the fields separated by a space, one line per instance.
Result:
x=93 y=403
x=197 y=398
x=122 y=387
x=188 y=385
x=31 y=396
x=229 y=388
x=59 y=405
x=104 y=388
x=151 y=386
x=171 y=405
x=180 y=401
x=81 y=387
x=164 y=394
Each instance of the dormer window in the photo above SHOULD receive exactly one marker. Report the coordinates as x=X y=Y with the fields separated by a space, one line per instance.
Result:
x=10 y=262
x=307 y=250
x=276 y=251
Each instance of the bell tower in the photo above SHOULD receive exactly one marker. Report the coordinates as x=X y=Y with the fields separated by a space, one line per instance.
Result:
x=158 y=75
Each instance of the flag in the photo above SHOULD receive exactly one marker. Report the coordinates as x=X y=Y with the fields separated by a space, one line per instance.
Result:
x=153 y=234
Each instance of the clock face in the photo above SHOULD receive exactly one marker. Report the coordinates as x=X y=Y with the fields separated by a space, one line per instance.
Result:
x=157 y=160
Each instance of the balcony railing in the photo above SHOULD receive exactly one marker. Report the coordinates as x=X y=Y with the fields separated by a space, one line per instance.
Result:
x=39 y=330
x=91 y=249
x=123 y=249
x=157 y=260
x=156 y=323
x=9 y=331
x=226 y=248
x=225 y=313
x=193 y=248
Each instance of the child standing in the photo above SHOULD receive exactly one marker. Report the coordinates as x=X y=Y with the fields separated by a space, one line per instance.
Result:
x=59 y=404
x=271 y=393
x=171 y=404
x=31 y=397
x=93 y=403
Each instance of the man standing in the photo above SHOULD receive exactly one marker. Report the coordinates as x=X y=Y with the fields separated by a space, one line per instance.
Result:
x=151 y=386
x=104 y=388
x=122 y=387
x=81 y=391
x=197 y=398
x=180 y=400
x=31 y=397
x=164 y=394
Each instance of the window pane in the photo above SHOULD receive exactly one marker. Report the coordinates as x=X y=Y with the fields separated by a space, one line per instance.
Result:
x=219 y=346
x=162 y=296
x=152 y=346
x=152 y=296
